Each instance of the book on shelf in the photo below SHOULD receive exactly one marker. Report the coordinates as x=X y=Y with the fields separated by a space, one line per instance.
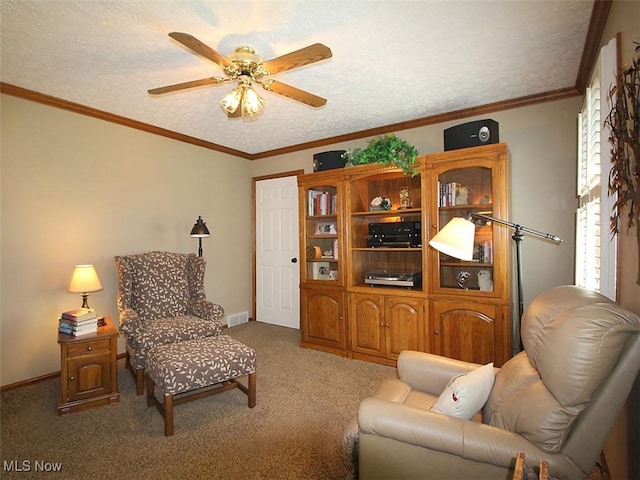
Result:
x=451 y=194
x=321 y=203
x=483 y=252
x=487 y=252
x=79 y=314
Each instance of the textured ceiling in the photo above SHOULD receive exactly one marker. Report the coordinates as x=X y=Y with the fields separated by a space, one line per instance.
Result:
x=393 y=61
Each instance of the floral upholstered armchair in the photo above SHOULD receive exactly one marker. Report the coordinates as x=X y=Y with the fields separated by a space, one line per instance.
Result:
x=161 y=300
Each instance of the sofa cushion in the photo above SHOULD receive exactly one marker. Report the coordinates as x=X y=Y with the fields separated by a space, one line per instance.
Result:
x=517 y=389
x=466 y=394
x=572 y=338
x=160 y=287
x=193 y=364
x=163 y=331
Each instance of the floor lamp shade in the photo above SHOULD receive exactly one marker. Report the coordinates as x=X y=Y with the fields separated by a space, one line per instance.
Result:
x=200 y=231
x=455 y=239
x=84 y=280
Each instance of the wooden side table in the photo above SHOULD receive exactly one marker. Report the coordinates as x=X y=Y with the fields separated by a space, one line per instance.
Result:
x=88 y=370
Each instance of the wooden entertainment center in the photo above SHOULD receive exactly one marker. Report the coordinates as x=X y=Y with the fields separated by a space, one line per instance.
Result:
x=450 y=312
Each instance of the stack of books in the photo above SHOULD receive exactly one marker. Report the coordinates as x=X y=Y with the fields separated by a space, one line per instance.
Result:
x=80 y=321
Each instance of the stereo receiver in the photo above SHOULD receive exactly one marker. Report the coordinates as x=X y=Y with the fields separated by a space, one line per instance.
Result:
x=396 y=235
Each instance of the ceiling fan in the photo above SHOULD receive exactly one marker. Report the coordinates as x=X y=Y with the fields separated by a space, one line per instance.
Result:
x=246 y=68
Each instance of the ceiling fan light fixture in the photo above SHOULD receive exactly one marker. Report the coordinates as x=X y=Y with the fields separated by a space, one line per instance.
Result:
x=246 y=57
x=246 y=68
x=252 y=103
x=231 y=101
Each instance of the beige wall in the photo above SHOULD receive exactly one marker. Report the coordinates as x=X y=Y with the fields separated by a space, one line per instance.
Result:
x=80 y=190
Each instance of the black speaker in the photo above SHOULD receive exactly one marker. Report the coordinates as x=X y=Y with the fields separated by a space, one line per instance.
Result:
x=472 y=134
x=328 y=160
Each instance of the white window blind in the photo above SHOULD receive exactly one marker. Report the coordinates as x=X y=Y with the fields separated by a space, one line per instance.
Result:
x=595 y=248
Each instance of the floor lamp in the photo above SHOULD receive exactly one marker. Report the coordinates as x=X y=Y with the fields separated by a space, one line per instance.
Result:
x=456 y=240
x=200 y=231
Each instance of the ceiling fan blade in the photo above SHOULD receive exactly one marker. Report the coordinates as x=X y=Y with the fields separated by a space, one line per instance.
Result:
x=197 y=46
x=191 y=84
x=293 y=93
x=304 y=56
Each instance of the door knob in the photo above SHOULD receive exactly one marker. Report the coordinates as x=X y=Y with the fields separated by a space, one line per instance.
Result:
x=294 y=260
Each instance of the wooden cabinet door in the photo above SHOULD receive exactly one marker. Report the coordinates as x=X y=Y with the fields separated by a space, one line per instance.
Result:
x=467 y=331
x=366 y=323
x=89 y=376
x=404 y=325
x=323 y=317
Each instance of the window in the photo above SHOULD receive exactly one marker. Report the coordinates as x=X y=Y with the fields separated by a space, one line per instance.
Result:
x=595 y=248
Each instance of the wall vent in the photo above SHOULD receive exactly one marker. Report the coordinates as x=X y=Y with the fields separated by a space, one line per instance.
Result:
x=237 y=319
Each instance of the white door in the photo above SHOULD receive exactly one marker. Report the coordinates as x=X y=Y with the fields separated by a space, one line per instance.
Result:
x=277 y=263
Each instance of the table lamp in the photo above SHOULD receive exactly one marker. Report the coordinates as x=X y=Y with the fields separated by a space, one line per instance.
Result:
x=84 y=281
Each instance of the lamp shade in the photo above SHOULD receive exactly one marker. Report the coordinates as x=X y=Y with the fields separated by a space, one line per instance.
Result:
x=84 y=280
x=200 y=229
x=252 y=103
x=455 y=239
x=231 y=101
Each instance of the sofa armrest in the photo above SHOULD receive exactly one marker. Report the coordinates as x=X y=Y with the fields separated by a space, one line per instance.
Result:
x=207 y=310
x=430 y=373
x=437 y=432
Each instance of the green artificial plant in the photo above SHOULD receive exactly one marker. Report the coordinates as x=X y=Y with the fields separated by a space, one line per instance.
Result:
x=386 y=150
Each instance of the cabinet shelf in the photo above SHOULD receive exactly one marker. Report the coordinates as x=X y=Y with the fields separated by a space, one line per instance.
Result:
x=386 y=289
x=388 y=213
x=386 y=249
x=459 y=263
x=479 y=207
x=322 y=236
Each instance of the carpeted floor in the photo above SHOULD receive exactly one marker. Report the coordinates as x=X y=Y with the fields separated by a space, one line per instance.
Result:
x=305 y=398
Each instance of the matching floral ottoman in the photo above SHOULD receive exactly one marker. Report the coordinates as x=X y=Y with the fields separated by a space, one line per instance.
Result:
x=193 y=369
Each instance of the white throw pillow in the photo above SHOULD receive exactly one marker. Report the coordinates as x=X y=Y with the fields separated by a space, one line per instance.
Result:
x=466 y=393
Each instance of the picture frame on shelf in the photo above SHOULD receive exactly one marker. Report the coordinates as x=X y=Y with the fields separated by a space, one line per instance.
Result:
x=328 y=228
x=321 y=271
